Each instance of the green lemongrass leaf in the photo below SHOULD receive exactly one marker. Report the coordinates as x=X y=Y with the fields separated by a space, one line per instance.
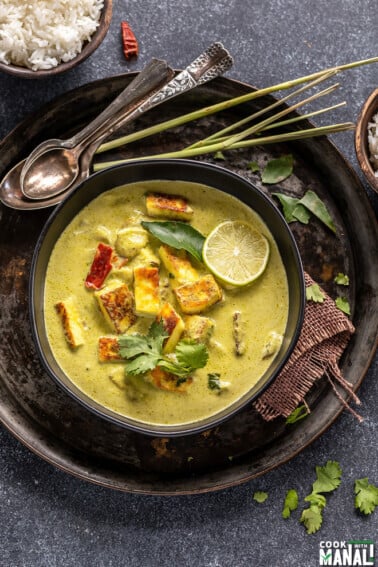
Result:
x=314 y=293
x=260 y=496
x=253 y=166
x=191 y=354
x=311 y=201
x=343 y=304
x=291 y=208
x=290 y=503
x=297 y=415
x=366 y=499
x=341 y=279
x=177 y=234
x=213 y=381
x=328 y=477
x=278 y=169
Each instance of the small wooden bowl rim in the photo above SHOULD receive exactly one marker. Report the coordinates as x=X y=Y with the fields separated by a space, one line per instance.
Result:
x=88 y=49
x=369 y=108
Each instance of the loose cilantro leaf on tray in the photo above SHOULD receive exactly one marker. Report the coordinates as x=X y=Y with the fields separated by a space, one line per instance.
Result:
x=299 y=413
x=328 y=477
x=314 y=293
x=366 y=498
x=312 y=519
x=144 y=352
x=290 y=504
x=341 y=279
x=343 y=304
x=260 y=496
x=177 y=234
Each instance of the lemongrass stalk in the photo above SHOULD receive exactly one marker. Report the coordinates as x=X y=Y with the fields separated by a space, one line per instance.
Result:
x=285 y=137
x=224 y=105
x=235 y=125
x=282 y=123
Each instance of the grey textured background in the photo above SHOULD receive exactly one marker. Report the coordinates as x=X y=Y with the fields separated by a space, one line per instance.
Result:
x=48 y=518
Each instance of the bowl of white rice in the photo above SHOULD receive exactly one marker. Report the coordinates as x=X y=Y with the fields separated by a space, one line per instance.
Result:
x=40 y=38
x=366 y=139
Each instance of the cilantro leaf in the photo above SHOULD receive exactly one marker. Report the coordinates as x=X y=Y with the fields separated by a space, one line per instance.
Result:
x=191 y=354
x=314 y=293
x=177 y=234
x=343 y=304
x=213 y=381
x=299 y=413
x=314 y=204
x=278 y=169
x=290 y=504
x=218 y=155
x=316 y=499
x=328 y=477
x=366 y=496
x=312 y=519
x=341 y=279
x=260 y=496
x=253 y=166
x=141 y=364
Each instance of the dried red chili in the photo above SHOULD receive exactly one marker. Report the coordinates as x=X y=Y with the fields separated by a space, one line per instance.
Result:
x=129 y=41
x=100 y=268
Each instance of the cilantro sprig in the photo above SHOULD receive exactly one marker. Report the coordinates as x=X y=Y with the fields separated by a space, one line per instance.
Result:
x=366 y=498
x=144 y=352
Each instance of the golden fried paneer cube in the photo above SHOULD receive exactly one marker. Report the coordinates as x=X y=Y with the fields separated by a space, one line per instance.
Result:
x=116 y=302
x=72 y=327
x=177 y=264
x=198 y=296
x=108 y=349
x=168 y=206
x=146 y=291
x=166 y=381
x=198 y=328
x=173 y=325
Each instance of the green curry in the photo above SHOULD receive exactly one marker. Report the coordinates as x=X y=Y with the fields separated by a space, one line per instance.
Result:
x=245 y=326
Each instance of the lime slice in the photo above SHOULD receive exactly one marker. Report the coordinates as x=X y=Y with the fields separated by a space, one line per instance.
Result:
x=236 y=253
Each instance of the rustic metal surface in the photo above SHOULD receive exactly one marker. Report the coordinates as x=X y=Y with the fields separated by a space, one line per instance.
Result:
x=62 y=432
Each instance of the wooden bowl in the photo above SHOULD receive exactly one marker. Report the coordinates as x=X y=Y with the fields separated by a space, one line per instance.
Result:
x=368 y=110
x=88 y=48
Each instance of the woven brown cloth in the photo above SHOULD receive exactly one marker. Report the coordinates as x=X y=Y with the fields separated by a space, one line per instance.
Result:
x=324 y=336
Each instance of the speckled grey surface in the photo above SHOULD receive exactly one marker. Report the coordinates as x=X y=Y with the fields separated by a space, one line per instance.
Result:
x=48 y=518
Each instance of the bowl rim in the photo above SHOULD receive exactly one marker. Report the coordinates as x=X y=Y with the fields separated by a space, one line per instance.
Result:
x=369 y=108
x=161 y=430
x=88 y=48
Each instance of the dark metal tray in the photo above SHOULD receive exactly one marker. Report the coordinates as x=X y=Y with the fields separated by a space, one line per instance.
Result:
x=63 y=433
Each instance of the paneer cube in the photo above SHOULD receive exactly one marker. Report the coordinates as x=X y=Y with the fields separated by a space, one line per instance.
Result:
x=173 y=325
x=198 y=296
x=168 y=206
x=108 y=349
x=146 y=291
x=116 y=302
x=167 y=381
x=198 y=328
x=72 y=327
x=177 y=264
x=130 y=241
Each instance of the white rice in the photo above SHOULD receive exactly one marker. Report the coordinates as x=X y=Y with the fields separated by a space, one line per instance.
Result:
x=373 y=142
x=40 y=34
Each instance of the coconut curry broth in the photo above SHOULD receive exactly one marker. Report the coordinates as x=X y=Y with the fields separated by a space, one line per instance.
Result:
x=263 y=307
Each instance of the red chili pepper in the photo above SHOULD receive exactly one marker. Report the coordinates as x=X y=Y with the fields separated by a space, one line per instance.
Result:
x=129 y=41
x=100 y=268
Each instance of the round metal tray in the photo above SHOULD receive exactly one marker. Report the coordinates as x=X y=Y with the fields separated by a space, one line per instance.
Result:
x=60 y=431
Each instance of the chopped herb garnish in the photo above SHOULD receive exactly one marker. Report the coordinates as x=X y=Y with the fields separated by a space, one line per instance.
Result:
x=314 y=293
x=278 y=169
x=177 y=234
x=341 y=279
x=144 y=352
x=366 y=498
x=260 y=496
x=213 y=381
x=343 y=304
x=299 y=413
x=290 y=504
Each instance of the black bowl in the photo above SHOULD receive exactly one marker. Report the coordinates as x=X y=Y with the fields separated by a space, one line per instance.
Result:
x=164 y=169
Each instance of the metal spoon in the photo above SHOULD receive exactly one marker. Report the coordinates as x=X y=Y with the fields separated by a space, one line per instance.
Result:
x=210 y=64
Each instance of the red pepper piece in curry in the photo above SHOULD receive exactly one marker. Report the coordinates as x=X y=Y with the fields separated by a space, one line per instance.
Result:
x=129 y=41
x=100 y=268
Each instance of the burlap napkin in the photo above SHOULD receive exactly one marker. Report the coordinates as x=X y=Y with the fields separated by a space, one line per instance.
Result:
x=324 y=336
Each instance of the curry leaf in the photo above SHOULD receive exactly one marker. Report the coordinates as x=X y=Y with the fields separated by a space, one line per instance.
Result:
x=253 y=166
x=292 y=209
x=278 y=169
x=313 y=203
x=177 y=234
x=343 y=304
